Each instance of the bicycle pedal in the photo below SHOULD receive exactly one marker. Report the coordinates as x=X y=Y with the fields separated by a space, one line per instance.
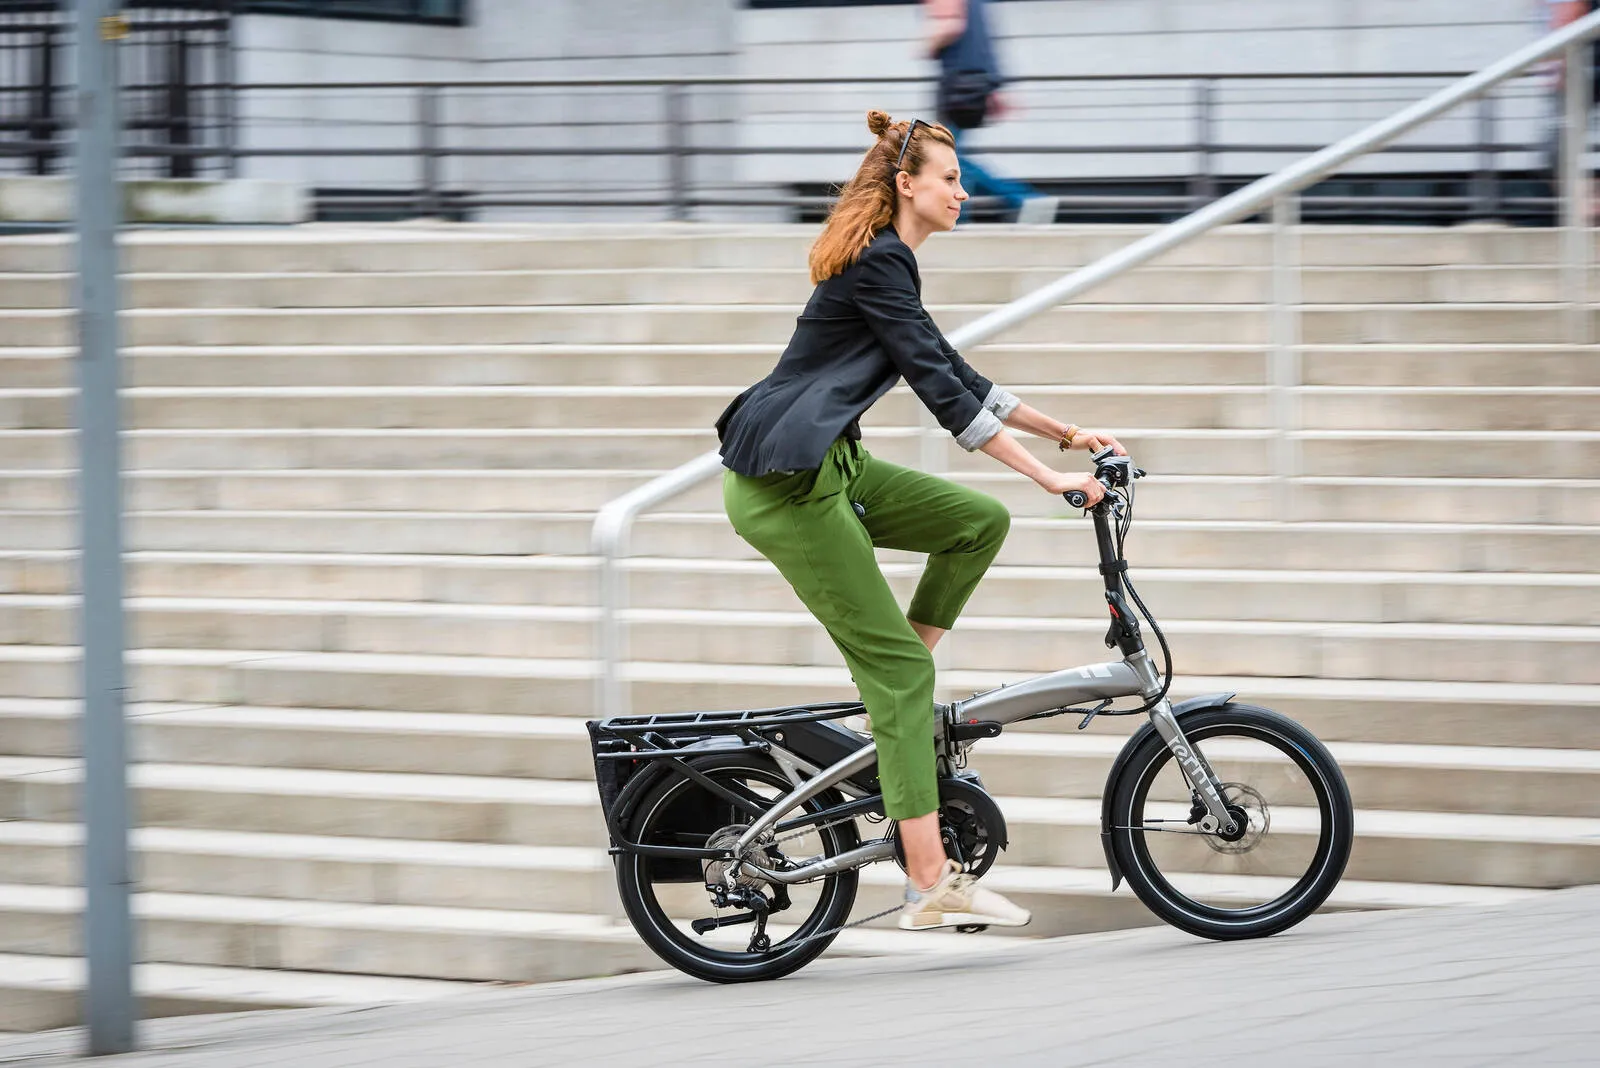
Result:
x=971 y=928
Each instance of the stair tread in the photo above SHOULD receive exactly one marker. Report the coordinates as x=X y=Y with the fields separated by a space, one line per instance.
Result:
x=272 y=987
x=1091 y=620
x=1261 y=688
x=579 y=793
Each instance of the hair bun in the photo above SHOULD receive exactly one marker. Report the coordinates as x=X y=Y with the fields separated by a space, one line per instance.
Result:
x=879 y=122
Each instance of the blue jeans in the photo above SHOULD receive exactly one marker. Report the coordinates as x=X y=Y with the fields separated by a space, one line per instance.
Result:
x=979 y=181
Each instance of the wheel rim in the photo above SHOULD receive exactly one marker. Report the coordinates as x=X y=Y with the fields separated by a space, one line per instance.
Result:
x=1286 y=848
x=669 y=904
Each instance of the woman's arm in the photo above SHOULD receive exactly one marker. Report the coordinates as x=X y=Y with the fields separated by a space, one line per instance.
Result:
x=1009 y=451
x=1035 y=422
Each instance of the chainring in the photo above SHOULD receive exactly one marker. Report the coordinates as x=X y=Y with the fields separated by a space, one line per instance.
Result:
x=970 y=824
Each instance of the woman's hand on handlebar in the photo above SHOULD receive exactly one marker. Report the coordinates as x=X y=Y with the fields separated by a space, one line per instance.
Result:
x=1096 y=440
x=1061 y=483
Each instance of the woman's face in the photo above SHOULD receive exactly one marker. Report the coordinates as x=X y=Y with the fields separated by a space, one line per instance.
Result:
x=935 y=191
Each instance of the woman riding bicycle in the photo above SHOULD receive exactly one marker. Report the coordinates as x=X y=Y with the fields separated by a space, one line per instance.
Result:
x=803 y=491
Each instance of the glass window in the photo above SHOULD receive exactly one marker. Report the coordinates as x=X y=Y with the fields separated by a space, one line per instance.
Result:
x=448 y=12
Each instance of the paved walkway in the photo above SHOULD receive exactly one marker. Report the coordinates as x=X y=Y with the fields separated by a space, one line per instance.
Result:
x=1511 y=985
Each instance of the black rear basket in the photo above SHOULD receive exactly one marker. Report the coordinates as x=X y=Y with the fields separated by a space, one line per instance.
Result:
x=609 y=775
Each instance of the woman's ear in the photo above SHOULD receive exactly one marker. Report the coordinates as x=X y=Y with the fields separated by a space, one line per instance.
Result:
x=902 y=183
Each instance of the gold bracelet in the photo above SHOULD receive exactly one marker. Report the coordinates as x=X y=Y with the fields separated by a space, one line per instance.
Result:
x=1073 y=430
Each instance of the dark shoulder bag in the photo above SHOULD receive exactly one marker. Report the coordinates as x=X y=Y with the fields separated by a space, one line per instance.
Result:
x=964 y=98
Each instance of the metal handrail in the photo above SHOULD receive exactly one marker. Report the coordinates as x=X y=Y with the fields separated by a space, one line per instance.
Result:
x=1275 y=191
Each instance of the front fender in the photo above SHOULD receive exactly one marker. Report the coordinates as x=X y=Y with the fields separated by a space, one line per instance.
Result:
x=1179 y=710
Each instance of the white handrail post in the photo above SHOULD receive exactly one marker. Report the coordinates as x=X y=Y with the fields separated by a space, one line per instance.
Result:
x=1575 y=193
x=609 y=542
x=611 y=699
x=1284 y=369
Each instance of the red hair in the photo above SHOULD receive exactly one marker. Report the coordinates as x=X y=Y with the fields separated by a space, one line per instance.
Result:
x=866 y=203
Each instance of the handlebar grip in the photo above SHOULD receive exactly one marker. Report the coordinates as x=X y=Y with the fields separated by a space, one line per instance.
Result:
x=1076 y=498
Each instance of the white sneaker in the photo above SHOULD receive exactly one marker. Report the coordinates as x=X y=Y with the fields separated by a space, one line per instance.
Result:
x=860 y=723
x=957 y=900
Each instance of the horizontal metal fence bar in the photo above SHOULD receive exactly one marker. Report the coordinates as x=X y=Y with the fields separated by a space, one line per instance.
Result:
x=21 y=147
x=735 y=80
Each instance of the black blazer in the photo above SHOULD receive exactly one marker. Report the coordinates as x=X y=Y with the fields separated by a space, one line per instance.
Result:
x=860 y=332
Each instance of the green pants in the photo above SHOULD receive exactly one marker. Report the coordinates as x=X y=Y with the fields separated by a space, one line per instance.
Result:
x=804 y=523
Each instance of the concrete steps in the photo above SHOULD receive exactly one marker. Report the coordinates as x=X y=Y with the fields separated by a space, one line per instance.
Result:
x=732 y=285
x=1333 y=709
x=405 y=248
x=1173 y=452
x=1478 y=849
x=1481 y=408
x=1480 y=362
x=1032 y=541
x=363 y=464
x=1345 y=324
x=1274 y=648
x=1553 y=599
x=1214 y=497
x=1518 y=780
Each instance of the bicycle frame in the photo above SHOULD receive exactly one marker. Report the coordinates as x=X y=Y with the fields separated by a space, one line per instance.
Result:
x=959 y=725
x=1133 y=675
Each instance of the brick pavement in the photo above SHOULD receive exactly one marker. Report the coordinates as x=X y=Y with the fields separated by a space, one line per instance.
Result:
x=1514 y=984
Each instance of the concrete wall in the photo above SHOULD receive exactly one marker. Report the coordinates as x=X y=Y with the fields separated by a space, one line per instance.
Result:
x=521 y=39
x=508 y=39
x=274 y=48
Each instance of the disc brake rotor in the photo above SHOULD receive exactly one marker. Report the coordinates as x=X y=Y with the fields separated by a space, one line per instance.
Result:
x=1258 y=819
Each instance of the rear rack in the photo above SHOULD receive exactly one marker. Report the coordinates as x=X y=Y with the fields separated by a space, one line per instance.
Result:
x=623 y=745
x=668 y=723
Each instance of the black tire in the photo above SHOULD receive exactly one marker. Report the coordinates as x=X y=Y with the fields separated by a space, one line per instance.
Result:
x=1197 y=901
x=692 y=954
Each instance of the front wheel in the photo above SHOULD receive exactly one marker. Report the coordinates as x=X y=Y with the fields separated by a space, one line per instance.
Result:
x=1298 y=825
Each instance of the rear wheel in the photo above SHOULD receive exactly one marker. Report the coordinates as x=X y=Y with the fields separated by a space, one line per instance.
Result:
x=664 y=897
x=1293 y=807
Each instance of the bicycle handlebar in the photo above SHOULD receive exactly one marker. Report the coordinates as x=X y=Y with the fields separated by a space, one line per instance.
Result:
x=1111 y=471
x=1080 y=499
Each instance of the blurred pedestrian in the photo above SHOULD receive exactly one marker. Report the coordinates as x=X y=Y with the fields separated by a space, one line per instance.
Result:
x=969 y=95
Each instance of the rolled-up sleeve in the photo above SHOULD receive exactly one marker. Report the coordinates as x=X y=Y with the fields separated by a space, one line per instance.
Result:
x=1002 y=402
x=886 y=295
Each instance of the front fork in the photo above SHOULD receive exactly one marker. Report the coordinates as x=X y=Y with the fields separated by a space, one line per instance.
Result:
x=1196 y=769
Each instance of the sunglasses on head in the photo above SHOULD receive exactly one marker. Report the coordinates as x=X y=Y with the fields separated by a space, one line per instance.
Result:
x=905 y=143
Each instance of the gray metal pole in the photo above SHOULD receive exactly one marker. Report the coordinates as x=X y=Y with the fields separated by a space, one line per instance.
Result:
x=1575 y=233
x=108 y=929
x=428 y=149
x=1203 y=186
x=675 y=112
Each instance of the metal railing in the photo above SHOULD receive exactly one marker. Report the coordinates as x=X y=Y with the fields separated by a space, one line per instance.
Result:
x=682 y=147
x=1277 y=192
